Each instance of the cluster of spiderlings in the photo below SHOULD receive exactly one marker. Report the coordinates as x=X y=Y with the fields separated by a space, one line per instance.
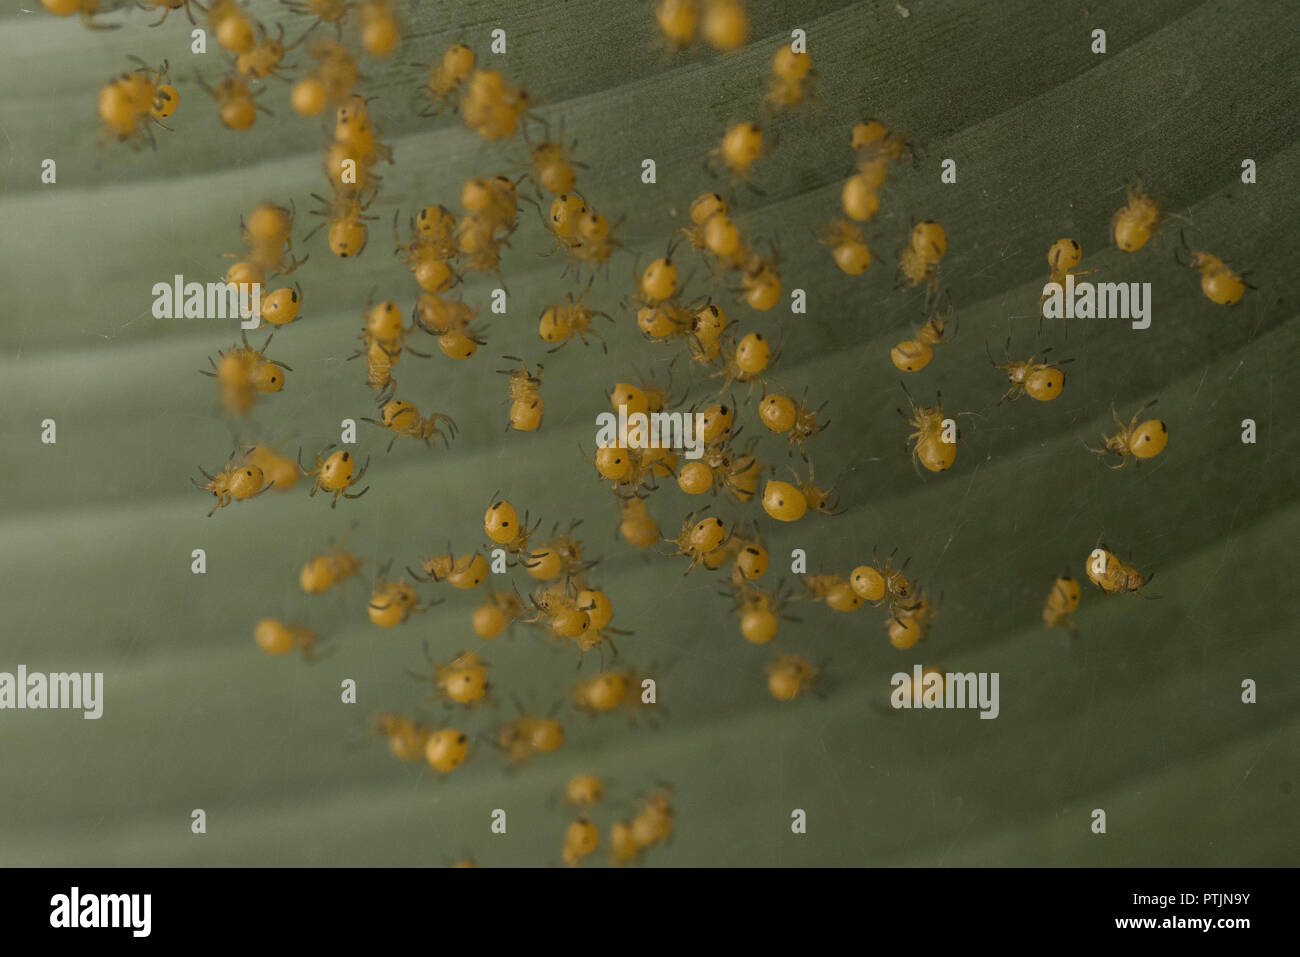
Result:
x=257 y=55
x=565 y=607
x=627 y=463
x=702 y=325
x=134 y=102
x=714 y=233
x=568 y=607
x=562 y=604
x=439 y=242
x=1133 y=226
x=721 y=466
x=491 y=106
x=909 y=610
x=717 y=235
x=875 y=148
x=521 y=739
x=349 y=164
x=431 y=248
x=722 y=24
x=268 y=252
x=1138 y=221
x=629 y=838
x=242 y=372
x=743 y=548
x=666 y=318
x=665 y=315
x=1105 y=570
x=329 y=83
x=491 y=215
x=933 y=437
x=431 y=252
x=409 y=739
x=582 y=233
x=630 y=470
x=383 y=339
x=759 y=611
x=918 y=264
x=374 y=22
x=488 y=103
x=650 y=826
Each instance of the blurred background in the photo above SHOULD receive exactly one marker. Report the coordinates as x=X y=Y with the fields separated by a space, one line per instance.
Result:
x=1140 y=714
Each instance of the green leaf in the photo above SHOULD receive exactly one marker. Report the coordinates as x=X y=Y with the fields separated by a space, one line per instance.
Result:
x=1139 y=715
